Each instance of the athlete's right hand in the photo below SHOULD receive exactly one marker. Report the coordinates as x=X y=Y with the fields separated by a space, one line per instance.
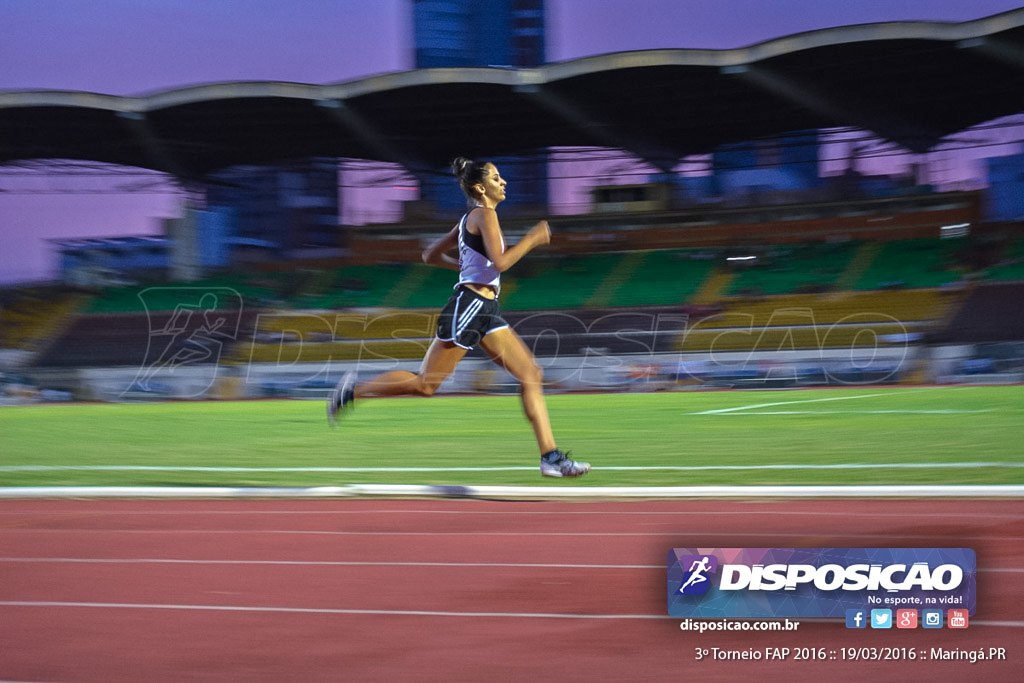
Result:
x=540 y=233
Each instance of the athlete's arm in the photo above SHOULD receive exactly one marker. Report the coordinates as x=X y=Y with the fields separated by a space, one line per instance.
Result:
x=437 y=253
x=503 y=258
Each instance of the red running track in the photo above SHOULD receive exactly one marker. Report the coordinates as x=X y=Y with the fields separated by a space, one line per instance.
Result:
x=451 y=590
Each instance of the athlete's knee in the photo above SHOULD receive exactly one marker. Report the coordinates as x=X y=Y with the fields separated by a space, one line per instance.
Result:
x=426 y=386
x=532 y=374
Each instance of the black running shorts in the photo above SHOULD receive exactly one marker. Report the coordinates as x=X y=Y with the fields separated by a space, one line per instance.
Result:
x=468 y=317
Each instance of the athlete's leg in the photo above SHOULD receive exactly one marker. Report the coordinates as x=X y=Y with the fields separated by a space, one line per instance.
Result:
x=508 y=350
x=439 y=362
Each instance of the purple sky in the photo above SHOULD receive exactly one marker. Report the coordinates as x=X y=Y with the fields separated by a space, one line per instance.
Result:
x=127 y=47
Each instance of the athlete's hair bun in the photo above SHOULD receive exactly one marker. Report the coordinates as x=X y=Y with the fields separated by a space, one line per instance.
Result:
x=460 y=165
x=469 y=174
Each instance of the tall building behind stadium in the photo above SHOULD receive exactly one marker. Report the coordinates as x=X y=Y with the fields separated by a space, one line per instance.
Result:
x=483 y=33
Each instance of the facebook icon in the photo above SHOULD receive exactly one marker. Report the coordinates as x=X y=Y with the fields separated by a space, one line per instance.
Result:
x=856 y=618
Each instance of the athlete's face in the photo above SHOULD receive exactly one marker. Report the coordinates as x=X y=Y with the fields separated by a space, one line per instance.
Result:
x=493 y=185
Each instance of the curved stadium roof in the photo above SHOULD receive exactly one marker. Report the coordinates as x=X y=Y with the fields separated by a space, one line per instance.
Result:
x=910 y=82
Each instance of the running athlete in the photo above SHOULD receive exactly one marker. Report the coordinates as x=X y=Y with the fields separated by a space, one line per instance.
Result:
x=471 y=317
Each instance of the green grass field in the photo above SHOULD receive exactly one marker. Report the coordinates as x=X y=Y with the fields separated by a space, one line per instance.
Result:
x=943 y=429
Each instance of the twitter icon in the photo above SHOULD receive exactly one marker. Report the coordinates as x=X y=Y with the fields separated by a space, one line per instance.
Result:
x=881 y=618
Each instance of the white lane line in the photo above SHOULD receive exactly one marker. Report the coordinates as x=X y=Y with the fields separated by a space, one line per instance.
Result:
x=754 y=406
x=532 y=534
x=762 y=510
x=535 y=493
x=205 y=468
x=327 y=610
x=856 y=412
x=323 y=563
x=368 y=563
x=735 y=409
x=385 y=612
x=511 y=468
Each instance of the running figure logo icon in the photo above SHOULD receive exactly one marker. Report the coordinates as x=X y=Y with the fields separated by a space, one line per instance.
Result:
x=695 y=581
x=189 y=330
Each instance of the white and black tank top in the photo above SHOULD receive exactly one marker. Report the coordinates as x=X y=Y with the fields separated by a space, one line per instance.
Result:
x=474 y=266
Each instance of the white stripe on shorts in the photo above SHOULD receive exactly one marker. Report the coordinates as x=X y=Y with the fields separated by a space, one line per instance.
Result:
x=455 y=315
x=467 y=316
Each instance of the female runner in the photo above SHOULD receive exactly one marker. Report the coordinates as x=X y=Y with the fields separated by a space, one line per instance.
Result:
x=471 y=316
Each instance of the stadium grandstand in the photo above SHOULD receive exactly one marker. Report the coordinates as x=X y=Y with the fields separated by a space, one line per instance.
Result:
x=676 y=282
x=837 y=306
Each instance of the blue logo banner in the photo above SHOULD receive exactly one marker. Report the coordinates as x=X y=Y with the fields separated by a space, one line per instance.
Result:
x=818 y=582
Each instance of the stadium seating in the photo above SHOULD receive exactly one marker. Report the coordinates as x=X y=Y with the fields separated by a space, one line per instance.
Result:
x=565 y=282
x=365 y=350
x=1010 y=265
x=422 y=287
x=664 y=278
x=353 y=287
x=913 y=263
x=794 y=268
x=919 y=305
x=109 y=340
x=30 y=319
x=606 y=331
x=816 y=295
x=991 y=313
x=321 y=336
x=782 y=338
x=231 y=292
x=841 y=319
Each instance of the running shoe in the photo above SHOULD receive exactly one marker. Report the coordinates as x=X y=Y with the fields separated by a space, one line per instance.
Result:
x=559 y=464
x=341 y=398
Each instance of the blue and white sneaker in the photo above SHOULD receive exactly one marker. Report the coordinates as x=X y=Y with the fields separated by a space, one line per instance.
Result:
x=341 y=398
x=559 y=464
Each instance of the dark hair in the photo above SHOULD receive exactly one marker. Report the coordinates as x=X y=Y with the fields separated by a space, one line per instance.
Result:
x=469 y=173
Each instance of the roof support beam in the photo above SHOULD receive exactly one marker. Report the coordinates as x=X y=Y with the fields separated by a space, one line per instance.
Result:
x=162 y=158
x=574 y=113
x=904 y=133
x=994 y=48
x=346 y=116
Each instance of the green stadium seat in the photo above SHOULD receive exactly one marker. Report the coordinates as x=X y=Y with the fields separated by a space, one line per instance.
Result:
x=912 y=263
